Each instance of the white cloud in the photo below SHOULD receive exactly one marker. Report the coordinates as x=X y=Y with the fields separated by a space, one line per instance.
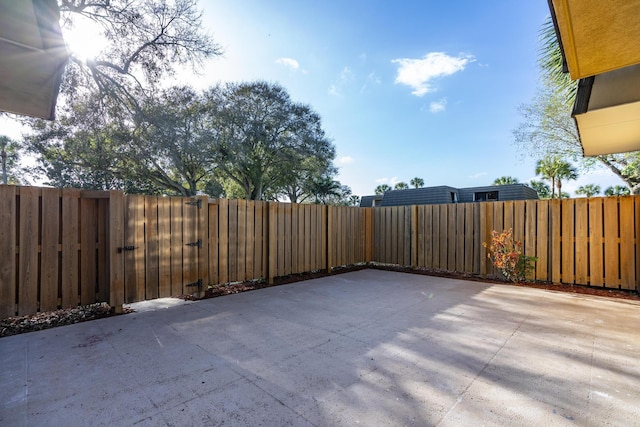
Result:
x=478 y=175
x=344 y=77
x=418 y=73
x=393 y=181
x=288 y=62
x=438 y=106
x=344 y=160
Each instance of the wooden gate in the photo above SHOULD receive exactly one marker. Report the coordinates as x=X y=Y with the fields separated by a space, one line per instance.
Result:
x=160 y=249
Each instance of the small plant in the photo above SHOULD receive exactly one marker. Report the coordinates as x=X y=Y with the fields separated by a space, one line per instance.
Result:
x=506 y=255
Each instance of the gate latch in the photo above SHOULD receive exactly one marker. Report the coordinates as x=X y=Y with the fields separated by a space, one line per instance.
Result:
x=126 y=248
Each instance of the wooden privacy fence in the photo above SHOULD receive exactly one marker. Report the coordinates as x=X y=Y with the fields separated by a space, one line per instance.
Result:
x=582 y=241
x=64 y=247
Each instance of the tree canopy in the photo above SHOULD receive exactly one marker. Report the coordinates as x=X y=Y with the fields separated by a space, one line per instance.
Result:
x=146 y=40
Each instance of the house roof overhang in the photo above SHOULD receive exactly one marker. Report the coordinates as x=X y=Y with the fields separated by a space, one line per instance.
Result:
x=597 y=36
x=32 y=57
x=607 y=112
x=599 y=42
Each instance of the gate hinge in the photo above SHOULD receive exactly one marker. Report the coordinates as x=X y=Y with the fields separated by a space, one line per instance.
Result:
x=126 y=248
x=198 y=284
x=198 y=243
x=197 y=203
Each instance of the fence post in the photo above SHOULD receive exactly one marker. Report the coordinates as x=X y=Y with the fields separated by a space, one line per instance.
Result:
x=116 y=240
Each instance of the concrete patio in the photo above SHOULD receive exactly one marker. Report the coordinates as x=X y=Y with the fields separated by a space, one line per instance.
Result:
x=368 y=347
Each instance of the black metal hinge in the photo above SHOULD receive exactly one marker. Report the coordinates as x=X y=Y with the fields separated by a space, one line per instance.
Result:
x=126 y=248
x=198 y=243
x=197 y=203
x=198 y=284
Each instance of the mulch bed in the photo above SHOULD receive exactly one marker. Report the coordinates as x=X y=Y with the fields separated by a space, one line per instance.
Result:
x=50 y=319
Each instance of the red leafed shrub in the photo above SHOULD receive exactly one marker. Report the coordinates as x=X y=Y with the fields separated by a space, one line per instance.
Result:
x=506 y=255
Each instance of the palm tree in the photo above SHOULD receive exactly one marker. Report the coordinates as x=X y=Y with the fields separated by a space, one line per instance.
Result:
x=543 y=190
x=565 y=171
x=401 y=186
x=556 y=170
x=417 y=182
x=546 y=168
x=588 y=190
x=381 y=189
x=505 y=180
x=551 y=62
x=617 y=190
x=324 y=187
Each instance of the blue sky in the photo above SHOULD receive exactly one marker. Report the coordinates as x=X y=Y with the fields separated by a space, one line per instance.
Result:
x=404 y=88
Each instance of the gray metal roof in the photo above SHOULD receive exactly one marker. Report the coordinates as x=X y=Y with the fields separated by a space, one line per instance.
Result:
x=445 y=194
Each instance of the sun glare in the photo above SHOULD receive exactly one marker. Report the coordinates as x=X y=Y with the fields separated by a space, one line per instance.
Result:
x=85 y=39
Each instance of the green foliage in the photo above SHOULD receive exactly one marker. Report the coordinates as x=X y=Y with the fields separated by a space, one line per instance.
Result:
x=588 y=190
x=417 y=182
x=505 y=180
x=555 y=169
x=401 y=186
x=543 y=190
x=10 y=158
x=617 y=190
x=263 y=140
x=382 y=188
x=506 y=255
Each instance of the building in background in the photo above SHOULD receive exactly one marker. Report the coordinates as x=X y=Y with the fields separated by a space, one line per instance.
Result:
x=445 y=194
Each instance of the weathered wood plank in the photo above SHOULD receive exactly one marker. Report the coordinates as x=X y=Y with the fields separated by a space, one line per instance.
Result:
x=8 y=273
x=223 y=241
x=103 y=254
x=49 y=260
x=555 y=235
x=452 y=236
x=202 y=228
x=542 y=242
x=530 y=214
x=568 y=241
x=250 y=241
x=273 y=241
x=214 y=232
x=152 y=247
x=28 y=255
x=460 y=237
x=233 y=240
x=627 y=243
x=596 y=242
x=177 y=249
x=164 y=246
x=241 y=266
x=116 y=240
x=88 y=240
x=468 y=238
x=581 y=259
x=611 y=243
